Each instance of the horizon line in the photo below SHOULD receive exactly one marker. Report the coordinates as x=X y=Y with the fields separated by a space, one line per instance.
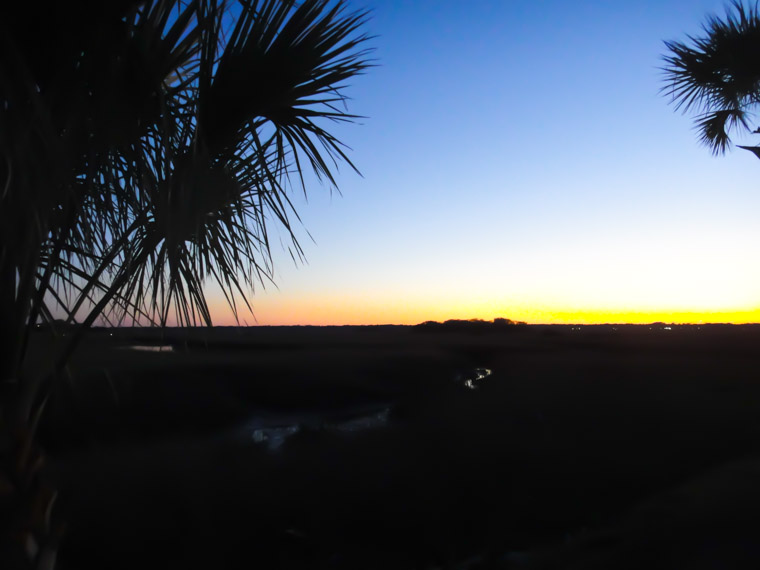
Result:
x=453 y=321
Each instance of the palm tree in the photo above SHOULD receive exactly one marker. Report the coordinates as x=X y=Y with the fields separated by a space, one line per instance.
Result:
x=717 y=75
x=149 y=149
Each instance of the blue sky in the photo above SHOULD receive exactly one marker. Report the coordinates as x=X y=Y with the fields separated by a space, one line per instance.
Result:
x=519 y=161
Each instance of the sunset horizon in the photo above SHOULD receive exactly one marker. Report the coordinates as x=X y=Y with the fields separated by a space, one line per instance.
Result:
x=362 y=284
x=597 y=206
x=348 y=314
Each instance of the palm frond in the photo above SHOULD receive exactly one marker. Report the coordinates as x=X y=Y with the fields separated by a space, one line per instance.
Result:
x=154 y=151
x=713 y=128
x=148 y=151
x=717 y=74
x=304 y=53
x=721 y=67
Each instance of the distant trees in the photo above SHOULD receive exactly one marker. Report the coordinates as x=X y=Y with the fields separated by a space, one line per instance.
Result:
x=147 y=146
x=471 y=325
x=716 y=75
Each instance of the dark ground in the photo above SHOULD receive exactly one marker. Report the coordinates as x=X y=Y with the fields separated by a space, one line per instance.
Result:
x=624 y=447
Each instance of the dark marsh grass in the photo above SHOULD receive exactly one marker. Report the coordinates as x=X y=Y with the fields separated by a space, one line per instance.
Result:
x=573 y=431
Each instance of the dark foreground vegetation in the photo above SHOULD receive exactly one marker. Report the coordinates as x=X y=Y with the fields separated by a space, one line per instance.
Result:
x=590 y=447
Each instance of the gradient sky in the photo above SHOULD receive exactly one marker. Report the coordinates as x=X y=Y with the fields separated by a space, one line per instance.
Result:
x=519 y=161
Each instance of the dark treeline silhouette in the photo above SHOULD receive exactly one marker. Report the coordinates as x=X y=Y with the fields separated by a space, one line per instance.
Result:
x=461 y=325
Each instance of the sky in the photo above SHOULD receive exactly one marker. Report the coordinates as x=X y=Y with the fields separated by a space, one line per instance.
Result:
x=519 y=160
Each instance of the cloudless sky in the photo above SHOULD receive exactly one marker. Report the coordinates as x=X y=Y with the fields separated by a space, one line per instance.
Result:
x=519 y=161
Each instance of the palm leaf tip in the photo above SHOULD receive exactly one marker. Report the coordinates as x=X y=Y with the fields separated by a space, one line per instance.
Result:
x=753 y=149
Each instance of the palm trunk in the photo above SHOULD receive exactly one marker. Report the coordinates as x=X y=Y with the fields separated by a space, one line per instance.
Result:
x=27 y=537
x=8 y=340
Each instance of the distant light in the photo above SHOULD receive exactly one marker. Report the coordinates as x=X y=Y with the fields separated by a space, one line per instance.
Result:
x=668 y=328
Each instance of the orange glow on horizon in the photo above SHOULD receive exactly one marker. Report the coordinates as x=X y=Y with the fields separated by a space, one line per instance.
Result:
x=355 y=310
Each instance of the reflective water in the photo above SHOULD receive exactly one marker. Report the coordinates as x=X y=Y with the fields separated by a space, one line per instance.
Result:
x=151 y=347
x=469 y=378
x=274 y=437
x=361 y=423
x=273 y=430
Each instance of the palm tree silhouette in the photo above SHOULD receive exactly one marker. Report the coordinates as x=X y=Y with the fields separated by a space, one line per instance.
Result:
x=717 y=75
x=147 y=146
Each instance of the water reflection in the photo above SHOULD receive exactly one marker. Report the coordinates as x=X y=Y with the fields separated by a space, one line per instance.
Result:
x=151 y=347
x=272 y=431
x=469 y=378
x=362 y=422
x=274 y=437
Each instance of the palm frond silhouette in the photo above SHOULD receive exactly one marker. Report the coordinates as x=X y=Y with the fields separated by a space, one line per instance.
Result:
x=717 y=75
x=147 y=147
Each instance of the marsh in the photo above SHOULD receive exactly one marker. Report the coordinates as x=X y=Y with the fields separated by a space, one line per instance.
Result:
x=572 y=432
